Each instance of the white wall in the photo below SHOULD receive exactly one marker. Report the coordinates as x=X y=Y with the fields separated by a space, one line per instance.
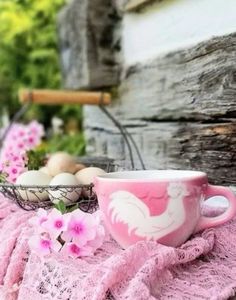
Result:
x=175 y=24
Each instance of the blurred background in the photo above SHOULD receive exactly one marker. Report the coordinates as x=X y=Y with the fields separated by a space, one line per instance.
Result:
x=29 y=57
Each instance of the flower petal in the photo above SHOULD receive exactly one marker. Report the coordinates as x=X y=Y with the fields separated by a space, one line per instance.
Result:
x=40 y=245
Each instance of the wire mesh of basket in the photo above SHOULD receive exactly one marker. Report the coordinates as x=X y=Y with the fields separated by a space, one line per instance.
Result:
x=30 y=197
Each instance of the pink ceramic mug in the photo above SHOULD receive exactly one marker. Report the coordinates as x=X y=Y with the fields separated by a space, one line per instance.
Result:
x=164 y=206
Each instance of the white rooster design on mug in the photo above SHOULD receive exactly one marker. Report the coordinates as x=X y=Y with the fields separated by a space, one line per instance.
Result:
x=125 y=207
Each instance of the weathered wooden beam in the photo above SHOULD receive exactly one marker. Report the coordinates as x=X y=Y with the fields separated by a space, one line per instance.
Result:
x=178 y=145
x=88 y=44
x=197 y=83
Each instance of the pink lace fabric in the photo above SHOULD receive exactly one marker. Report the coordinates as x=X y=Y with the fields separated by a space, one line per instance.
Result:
x=202 y=268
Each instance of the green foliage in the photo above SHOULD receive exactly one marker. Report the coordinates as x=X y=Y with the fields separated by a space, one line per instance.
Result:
x=28 y=47
x=36 y=159
x=65 y=208
x=72 y=143
x=72 y=208
x=29 y=58
x=60 y=206
x=3 y=177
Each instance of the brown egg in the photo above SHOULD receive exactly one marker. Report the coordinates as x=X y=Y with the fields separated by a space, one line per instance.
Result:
x=61 y=162
x=45 y=170
x=87 y=175
x=79 y=167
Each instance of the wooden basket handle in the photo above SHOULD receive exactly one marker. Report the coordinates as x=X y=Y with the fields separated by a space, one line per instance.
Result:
x=50 y=97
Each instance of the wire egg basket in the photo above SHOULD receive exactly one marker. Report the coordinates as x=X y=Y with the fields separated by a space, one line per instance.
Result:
x=29 y=197
x=23 y=196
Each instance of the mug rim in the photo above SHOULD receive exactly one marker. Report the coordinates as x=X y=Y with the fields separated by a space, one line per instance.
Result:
x=164 y=175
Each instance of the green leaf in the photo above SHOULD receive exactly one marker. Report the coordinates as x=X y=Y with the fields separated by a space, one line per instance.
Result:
x=60 y=206
x=72 y=208
x=3 y=177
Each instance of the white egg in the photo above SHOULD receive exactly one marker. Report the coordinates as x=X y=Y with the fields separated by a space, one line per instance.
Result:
x=67 y=195
x=87 y=175
x=33 y=178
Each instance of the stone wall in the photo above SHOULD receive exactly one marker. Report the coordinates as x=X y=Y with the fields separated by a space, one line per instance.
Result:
x=179 y=104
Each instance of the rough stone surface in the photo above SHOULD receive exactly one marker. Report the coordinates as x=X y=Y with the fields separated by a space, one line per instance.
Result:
x=89 y=44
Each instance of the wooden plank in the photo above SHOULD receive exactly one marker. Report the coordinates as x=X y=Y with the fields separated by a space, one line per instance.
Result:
x=55 y=97
x=206 y=147
x=88 y=44
x=198 y=83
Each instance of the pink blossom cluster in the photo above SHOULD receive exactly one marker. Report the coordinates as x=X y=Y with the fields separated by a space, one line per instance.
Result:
x=73 y=234
x=21 y=138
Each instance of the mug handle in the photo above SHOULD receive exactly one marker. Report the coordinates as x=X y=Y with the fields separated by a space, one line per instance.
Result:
x=207 y=222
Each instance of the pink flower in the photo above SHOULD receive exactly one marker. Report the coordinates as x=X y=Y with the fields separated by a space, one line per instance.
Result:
x=21 y=133
x=81 y=228
x=12 y=170
x=79 y=233
x=20 y=139
x=15 y=157
x=74 y=250
x=31 y=141
x=100 y=232
x=98 y=240
x=39 y=219
x=55 y=223
x=17 y=131
x=43 y=245
x=36 y=129
x=20 y=146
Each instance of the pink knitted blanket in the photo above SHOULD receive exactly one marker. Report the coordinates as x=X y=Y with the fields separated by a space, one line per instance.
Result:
x=203 y=268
